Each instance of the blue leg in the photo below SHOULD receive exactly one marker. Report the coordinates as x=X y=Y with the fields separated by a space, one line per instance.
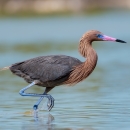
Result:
x=35 y=107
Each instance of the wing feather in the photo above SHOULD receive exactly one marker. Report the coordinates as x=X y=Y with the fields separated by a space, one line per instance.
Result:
x=46 y=68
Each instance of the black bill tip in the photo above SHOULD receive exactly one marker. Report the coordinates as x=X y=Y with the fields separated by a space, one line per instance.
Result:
x=118 y=40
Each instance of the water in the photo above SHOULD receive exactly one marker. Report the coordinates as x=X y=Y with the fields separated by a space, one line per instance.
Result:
x=99 y=102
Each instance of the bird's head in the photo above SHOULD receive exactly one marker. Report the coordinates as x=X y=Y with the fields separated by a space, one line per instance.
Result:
x=94 y=35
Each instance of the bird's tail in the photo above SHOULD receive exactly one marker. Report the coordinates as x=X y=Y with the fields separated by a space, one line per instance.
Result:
x=5 y=68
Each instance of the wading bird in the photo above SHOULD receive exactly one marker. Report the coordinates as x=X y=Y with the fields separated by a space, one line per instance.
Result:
x=55 y=70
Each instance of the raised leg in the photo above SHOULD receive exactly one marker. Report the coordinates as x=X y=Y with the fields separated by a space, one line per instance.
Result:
x=35 y=107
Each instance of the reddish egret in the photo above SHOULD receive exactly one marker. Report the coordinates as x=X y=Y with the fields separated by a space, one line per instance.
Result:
x=55 y=70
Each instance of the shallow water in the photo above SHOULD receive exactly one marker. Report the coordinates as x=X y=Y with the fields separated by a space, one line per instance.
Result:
x=102 y=101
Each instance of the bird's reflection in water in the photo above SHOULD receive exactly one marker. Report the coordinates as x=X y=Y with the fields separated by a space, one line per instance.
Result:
x=41 y=121
x=44 y=121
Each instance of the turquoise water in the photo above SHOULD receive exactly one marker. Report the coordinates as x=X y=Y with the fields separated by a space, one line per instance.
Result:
x=101 y=102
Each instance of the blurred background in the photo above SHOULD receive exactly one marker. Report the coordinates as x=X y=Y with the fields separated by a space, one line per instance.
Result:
x=31 y=28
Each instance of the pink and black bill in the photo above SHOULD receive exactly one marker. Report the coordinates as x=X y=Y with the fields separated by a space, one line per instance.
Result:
x=107 y=38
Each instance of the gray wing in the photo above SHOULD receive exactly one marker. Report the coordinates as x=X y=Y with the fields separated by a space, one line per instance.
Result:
x=45 y=68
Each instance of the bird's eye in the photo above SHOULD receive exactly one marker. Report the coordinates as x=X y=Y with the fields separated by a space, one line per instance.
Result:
x=99 y=36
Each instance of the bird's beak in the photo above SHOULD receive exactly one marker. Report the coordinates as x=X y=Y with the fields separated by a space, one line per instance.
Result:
x=107 y=38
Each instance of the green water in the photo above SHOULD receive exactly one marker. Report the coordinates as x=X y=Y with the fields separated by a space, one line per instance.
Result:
x=101 y=102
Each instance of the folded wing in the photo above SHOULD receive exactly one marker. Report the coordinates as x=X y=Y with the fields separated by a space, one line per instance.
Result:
x=45 y=68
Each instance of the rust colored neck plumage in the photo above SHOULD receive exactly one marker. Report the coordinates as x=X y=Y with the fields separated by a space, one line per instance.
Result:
x=83 y=70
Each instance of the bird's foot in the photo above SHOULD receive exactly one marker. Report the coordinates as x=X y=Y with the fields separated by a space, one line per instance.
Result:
x=35 y=112
x=50 y=103
x=35 y=107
